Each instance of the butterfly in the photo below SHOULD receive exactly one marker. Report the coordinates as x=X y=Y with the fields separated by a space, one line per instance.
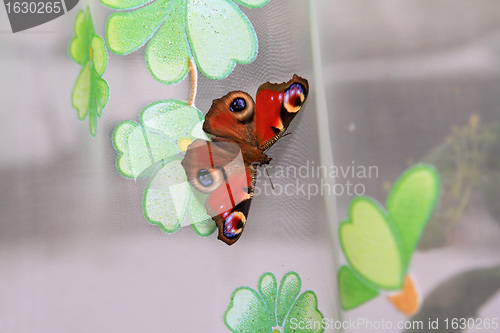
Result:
x=242 y=129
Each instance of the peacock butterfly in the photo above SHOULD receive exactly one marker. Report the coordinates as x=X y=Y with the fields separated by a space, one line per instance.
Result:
x=242 y=130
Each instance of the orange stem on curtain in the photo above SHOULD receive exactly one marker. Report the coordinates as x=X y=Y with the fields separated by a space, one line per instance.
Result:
x=194 y=81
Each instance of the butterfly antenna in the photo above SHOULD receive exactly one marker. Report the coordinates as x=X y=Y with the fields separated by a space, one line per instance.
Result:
x=287 y=133
x=267 y=172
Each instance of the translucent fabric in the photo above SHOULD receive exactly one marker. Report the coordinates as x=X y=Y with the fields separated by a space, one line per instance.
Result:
x=78 y=251
x=378 y=212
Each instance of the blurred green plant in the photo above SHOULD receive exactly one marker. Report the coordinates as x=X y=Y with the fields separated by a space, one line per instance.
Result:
x=465 y=163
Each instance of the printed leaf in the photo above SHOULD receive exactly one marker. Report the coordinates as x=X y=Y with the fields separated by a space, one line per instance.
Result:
x=167 y=55
x=89 y=96
x=215 y=34
x=151 y=147
x=79 y=45
x=289 y=290
x=141 y=147
x=125 y=4
x=220 y=36
x=202 y=224
x=99 y=55
x=80 y=96
x=167 y=196
x=90 y=93
x=247 y=312
x=198 y=132
x=305 y=310
x=268 y=288
x=411 y=203
x=139 y=150
x=353 y=291
x=128 y=31
x=371 y=244
x=250 y=311
x=171 y=118
x=378 y=245
x=252 y=3
x=100 y=95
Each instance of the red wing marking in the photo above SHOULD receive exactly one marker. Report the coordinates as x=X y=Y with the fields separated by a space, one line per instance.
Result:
x=225 y=198
x=267 y=116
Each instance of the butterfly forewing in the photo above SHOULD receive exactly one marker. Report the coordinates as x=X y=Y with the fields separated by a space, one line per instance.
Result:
x=276 y=105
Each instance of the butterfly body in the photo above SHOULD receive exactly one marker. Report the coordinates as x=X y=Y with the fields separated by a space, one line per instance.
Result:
x=243 y=130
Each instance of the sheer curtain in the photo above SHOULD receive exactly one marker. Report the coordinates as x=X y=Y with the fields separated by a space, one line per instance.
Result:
x=415 y=81
x=77 y=252
x=392 y=84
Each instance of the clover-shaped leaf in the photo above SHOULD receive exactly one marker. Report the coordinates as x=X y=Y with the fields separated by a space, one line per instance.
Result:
x=411 y=203
x=379 y=244
x=141 y=147
x=169 y=198
x=289 y=290
x=246 y=306
x=90 y=93
x=152 y=148
x=304 y=310
x=252 y=3
x=354 y=291
x=268 y=289
x=215 y=34
x=252 y=311
x=371 y=244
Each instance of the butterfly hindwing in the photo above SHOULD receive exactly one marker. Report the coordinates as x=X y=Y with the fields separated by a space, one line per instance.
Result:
x=232 y=221
x=217 y=168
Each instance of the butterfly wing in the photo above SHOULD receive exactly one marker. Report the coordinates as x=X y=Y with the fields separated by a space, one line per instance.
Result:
x=217 y=168
x=232 y=221
x=276 y=104
x=240 y=125
x=231 y=117
x=238 y=118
